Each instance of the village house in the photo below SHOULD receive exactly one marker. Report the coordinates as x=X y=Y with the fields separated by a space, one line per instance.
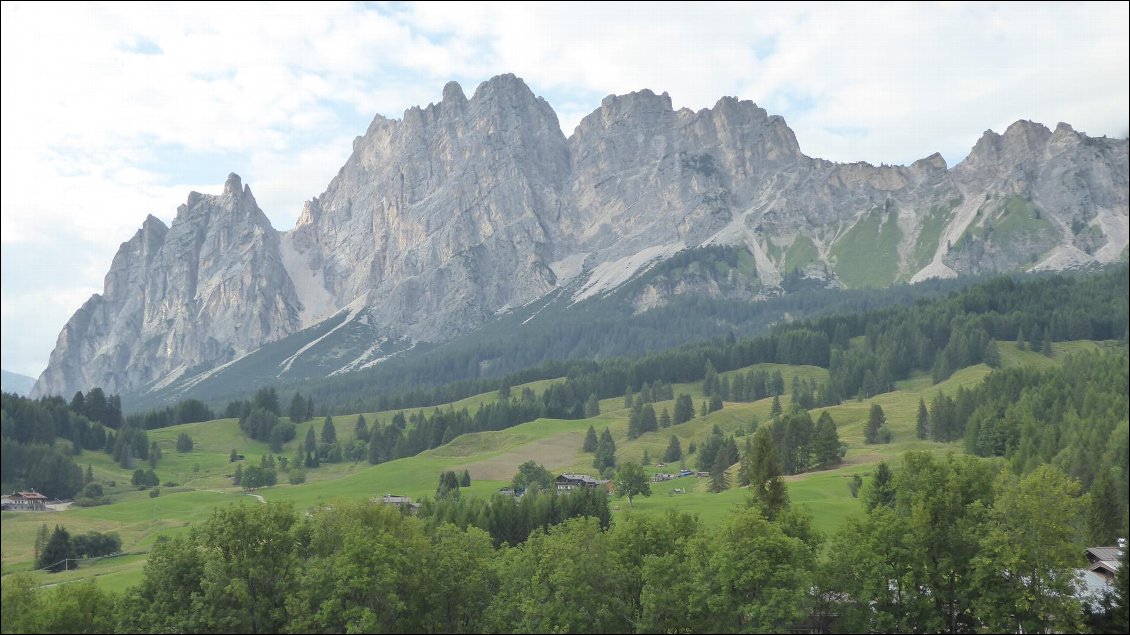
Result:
x=30 y=501
x=403 y=503
x=569 y=482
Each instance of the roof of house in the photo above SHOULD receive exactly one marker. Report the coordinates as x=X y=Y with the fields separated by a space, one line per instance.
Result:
x=1110 y=554
x=32 y=495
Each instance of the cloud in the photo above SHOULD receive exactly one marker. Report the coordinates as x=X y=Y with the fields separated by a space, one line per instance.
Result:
x=112 y=111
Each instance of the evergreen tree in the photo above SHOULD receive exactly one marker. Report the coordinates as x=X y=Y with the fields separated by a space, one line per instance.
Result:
x=991 y=356
x=311 y=444
x=715 y=403
x=875 y=421
x=237 y=479
x=684 y=409
x=826 y=447
x=57 y=551
x=590 y=440
x=710 y=379
x=634 y=423
x=646 y=460
x=703 y=409
x=297 y=409
x=89 y=477
x=605 y=452
x=184 y=442
x=674 y=450
x=648 y=422
x=329 y=433
x=592 y=406
x=465 y=479
x=629 y=400
x=154 y=454
x=922 y=421
x=775 y=409
x=448 y=486
x=1020 y=339
x=719 y=478
x=882 y=490
x=233 y=457
x=361 y=429
x=664 y=419
x=766 y=483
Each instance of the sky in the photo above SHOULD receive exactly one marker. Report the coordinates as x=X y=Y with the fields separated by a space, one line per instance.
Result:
x=112 y=111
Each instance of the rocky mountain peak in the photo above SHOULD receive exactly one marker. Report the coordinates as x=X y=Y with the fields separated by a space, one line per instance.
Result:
x=462 y=209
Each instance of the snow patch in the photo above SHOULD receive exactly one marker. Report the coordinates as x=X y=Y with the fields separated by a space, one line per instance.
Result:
x=609 y=275
x=309 y=283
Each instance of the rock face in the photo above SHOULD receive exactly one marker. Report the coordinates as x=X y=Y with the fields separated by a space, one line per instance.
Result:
x=462 y=209
x=200 y=293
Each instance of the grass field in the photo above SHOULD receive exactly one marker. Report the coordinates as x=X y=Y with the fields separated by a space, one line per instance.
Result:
x=203 y=480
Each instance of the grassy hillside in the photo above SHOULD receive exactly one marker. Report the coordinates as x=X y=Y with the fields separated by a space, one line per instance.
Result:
x=202 y=477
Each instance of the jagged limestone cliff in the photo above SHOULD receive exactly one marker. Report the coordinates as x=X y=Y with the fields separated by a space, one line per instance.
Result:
x=463 y=209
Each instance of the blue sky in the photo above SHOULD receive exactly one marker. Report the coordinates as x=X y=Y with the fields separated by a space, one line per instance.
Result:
x=114 y=111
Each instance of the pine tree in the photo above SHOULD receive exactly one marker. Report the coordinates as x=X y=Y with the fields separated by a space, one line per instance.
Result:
x=664 y=419
x=719 y=479
x=775 y=410
x=875 y=422
x=361 y=429
x=922 y=422
x=592 y=406
x=465 y=479
x=629 y=400
x=89 y=477
x=329 y=433
x=590 y=440
x=826 y=447
x=684 y=409
x=674 y=450
x=311 y=440
x=234 y=456
x=648 y=422
x=882 y=490
x=605 y=452
x=57 y=551
x=646 y=457
x=297 y=409
x=238 y=477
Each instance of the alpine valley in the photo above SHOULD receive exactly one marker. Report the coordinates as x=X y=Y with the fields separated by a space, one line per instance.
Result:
x=474 y=217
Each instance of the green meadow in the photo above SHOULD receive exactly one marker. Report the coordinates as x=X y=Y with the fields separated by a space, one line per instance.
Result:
x=196 y=482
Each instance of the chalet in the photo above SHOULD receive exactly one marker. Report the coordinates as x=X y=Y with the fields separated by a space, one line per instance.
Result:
x=403 y=503
x=1097 y=579
x=568 y=482
x=31 y=501
x=1103 y=562
x=659 y=477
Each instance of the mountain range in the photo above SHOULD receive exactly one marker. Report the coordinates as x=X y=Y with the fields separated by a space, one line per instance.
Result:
x=471 y=209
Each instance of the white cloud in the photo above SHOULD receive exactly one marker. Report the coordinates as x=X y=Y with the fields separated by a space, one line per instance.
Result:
x=112 y=111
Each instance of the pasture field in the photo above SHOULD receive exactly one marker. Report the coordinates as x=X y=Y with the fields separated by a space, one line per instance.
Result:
x=196 y=482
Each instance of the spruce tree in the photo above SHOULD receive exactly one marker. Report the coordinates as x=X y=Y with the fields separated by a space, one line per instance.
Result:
x=875 y=422
x=664 y=419
x=361 y=429
x=590 y=440
x=922 y=421
x=674 y=450
x=329 y=433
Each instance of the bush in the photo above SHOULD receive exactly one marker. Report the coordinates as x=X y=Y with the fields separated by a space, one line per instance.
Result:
x=155 y=492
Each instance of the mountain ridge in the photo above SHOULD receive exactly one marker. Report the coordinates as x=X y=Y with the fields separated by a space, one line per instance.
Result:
x=464 y=208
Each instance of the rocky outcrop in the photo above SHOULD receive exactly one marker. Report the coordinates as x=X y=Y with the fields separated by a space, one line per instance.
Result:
x=457 y=211
x=199 y=293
